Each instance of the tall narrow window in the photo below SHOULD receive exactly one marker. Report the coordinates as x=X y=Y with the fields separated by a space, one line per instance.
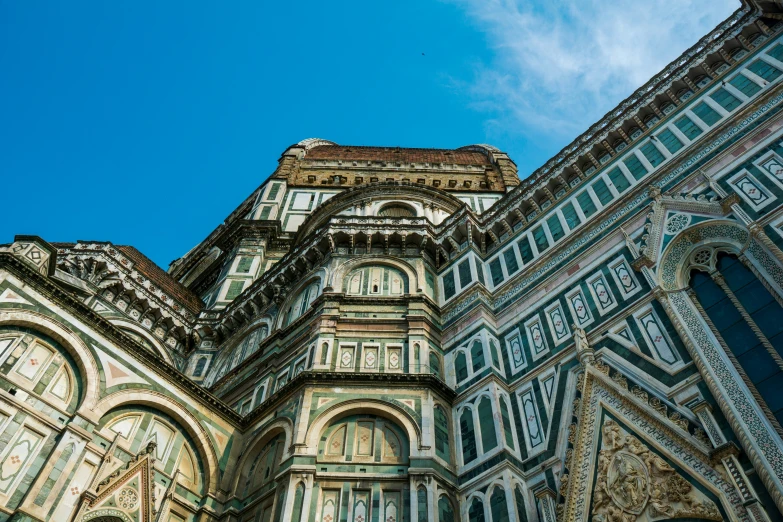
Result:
x=670 y=141
x=570 y=215
x=296 y=513
x=234 y=289
x=706 y=113
x=619 y=180
x=245 y=262
x=421 y=504
x=465 y=277
x=745 y=85
x=525 y=249
x=435 y=364
x=635 y=166
x=441 y=434
x=273 y=191
x=510 y=257
x=477 y=356
x=496 y=271
x=652 y=154
x=476 y=511
x=687 y=127
x=493 y=353
x=555 y=227
x=498 y=506
x=539 y=236
x=449 y=287
x=586 y=202
x=461 y=367
x=507 y=427
x=726 y=100
x=764 y=70
x=519 y=500
x=468 y=434
x=489 y=439
x=445 y=510
x=776 y=52
x=602 y=192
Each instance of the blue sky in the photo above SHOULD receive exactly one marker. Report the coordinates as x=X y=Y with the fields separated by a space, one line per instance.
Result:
x=147 y=123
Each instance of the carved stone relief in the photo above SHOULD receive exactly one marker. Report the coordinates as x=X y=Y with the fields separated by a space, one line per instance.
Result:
x=634 y=484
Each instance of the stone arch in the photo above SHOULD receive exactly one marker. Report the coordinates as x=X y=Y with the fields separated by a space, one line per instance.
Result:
x=673 y=267
x=387 y=410
x=256 y=443
x=387 y=206
x=157 y=401
x=340 y=272
x=293 y=294
x=76 y=347
x=379 y=289
x=386 y=191
x=141 y=332
x=235 y=342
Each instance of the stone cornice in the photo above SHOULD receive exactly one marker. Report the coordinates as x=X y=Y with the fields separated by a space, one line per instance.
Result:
x=130 y=277
x=54 y=292
x=342 y=379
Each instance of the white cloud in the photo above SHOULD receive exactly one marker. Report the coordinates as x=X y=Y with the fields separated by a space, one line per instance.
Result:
x=559 y=65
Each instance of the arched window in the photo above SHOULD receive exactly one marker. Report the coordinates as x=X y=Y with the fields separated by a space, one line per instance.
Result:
x=506 y=418
x=748 y=319
x=461 y=367
x=477 y=355
x=367 y=439
x=301 y=304
x=336 y=445
x=445 y=510
x=476 y=511
x=324 y=353
x=397 y=210
x=201 y=364
x=493 y=352
x=468 y=433
x=376 y=280
x=497 y=505
x=296 y=513
x=519 y=500
x=441 y=434
x=435 y=364
x=421 y=504
x=40 y=366
x=489 y=439
x=173 y=451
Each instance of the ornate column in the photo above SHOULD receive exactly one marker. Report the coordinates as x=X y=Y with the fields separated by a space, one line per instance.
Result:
x=726 y=453
x=545 y=501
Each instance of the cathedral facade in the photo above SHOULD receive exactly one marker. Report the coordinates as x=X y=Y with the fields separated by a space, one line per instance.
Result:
x=417 y=335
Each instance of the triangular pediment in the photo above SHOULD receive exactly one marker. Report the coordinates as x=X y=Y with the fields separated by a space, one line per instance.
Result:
x=126 y=494
x=633 y=459
x=669 y=215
